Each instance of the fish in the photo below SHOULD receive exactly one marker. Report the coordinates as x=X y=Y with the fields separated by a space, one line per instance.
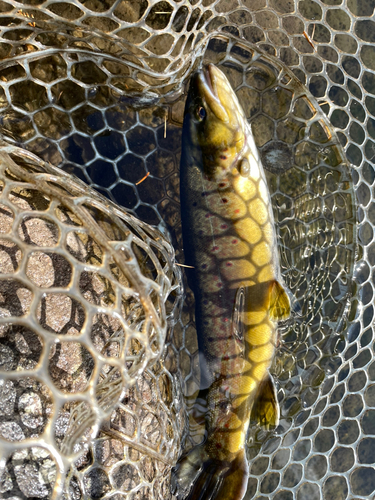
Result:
x=230 y=242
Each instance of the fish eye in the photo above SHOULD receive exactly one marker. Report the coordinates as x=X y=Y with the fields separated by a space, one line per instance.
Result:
x=200 y=113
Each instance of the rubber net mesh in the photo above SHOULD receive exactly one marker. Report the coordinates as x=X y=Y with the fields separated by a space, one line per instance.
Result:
x=87 y=295
x=97 y=88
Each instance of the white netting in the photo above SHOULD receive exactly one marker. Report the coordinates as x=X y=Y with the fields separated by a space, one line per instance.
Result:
x=81 y=83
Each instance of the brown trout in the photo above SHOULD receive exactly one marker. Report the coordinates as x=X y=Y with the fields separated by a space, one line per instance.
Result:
x=229 y=238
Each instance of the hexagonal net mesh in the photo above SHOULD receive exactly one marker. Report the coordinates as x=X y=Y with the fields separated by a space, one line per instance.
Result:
x=86 y=295
x=96 y=88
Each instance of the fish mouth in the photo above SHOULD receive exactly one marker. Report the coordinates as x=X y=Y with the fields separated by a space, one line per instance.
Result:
x=208 y=75
x=208 y=82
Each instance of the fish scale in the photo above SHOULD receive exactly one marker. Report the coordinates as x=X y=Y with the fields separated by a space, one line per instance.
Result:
x=230 y=242
x=229 y=271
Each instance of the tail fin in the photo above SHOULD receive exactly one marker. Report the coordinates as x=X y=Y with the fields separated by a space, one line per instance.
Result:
x=198 y=477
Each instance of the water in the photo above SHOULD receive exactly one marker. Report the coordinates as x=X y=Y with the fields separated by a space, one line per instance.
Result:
x=82 y=110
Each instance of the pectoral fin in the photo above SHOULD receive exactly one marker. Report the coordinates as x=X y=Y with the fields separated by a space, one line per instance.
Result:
x=265 y=409
x=279 y=303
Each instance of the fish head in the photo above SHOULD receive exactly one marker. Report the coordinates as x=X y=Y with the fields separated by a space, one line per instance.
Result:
x=215 y=121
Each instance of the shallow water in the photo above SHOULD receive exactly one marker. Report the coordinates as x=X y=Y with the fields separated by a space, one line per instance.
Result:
x=71 y=105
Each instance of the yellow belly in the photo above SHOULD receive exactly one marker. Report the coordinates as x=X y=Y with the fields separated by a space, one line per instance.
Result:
x=246 y=259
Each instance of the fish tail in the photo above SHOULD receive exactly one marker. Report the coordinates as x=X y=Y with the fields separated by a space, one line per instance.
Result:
x=199 y=477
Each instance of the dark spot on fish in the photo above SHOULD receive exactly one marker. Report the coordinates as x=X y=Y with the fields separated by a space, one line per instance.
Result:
x=219 y=285
x=229 y=264
x=225 y=200
x=224 y=226
x=234 y=242
x=222 y=185
x=208 y=216
x=222 y=157
x=214 y=249
x=218 y=446
x=204 y=193
x=204 y=267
